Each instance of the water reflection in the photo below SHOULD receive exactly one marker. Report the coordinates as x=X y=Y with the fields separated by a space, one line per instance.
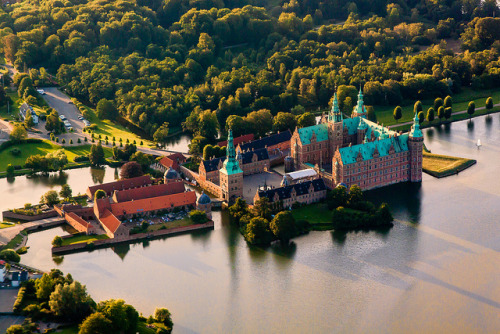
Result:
x=98 y=175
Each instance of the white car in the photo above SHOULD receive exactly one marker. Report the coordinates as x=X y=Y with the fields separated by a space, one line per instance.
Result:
x=87 y=123
x=62 y=117
x=41 y=91
x=67 y=124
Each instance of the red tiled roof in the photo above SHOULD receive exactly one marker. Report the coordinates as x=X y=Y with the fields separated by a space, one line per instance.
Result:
x=238 y=140
x=100 y=205
x=121 y=184
x=77 y=219
x=148 y=192
x=177 y=156
x=173 y=160
x=110 y=221
x=152 y=204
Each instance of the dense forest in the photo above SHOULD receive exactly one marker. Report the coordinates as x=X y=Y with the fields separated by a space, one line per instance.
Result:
x=168 y=60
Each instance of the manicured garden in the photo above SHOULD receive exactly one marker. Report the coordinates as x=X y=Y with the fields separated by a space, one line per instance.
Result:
x=83 y=238
x=443 y=165
x=29 y=149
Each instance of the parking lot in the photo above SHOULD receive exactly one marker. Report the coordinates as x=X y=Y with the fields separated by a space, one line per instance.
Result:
x=61 y=102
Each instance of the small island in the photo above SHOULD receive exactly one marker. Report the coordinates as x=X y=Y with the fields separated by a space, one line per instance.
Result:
x=443 y=165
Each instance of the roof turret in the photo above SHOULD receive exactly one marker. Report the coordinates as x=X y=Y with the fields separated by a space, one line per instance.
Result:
x=415 y=129
x=231 y=165
x=171 y=174
x=204 y=199
x=335 y=115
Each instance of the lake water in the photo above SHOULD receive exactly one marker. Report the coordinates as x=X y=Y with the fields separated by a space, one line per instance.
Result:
x=436 y=270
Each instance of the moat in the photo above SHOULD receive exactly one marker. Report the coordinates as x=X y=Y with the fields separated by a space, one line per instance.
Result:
x=437 y=269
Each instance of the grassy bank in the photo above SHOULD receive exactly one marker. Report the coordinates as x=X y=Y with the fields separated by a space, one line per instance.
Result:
x=167 y=225
x=317 y=215
x=442 y=165
x=112 y=129
x=16 y=241
x=28 y=149
x=460 y=102
x=83 y=238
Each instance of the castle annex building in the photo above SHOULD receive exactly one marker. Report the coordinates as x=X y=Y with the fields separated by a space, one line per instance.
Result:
x=358 y=151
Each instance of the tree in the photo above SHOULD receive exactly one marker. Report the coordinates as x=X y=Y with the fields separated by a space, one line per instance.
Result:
x=306 y=119
x=283 y=226
x=71 y=301
x=96 y=323
x=198 y=216
x=123 y=317
x=398 y=113
x=262 y=208
x=257 y=231
x=163 y=315
x=209 y=125
x=284 y=121
x=440 y=113
x=161 y=134
x=418 y=107
x=45 y=285
x=438 y=102
x=50 y=198
x=355 y=194
x=260 y=122
x=57 y=159
x=142 y=159
x=448 y=102
x=96 y=155
x=337 y=197
x=106 y=109
x=208 y=152
x=9 y=255
x=489 y=104
x=99 y=194
x=238 y=209
x=430 y=114
x=421 y=117
x=130 y=170
x=28 y=121
x=53 y=123
x=447 y=112
x=238 y=124
x=471 y=109
x=57 y=241
x=66 y=191
x=10 y=170
x=18 y=133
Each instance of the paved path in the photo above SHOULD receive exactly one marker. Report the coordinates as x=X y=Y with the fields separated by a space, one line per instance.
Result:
x=7 y=234
x=455 y=113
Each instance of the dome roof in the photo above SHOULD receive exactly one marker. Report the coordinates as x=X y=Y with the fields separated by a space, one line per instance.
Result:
x=288 y=158
x=171 y=174
x=204 y=199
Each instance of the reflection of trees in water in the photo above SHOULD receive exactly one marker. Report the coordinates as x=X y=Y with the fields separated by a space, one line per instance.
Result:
x=202 y=236
x=52 y=179
x=470 y=126
x=10 y=179
x=404 y=200
x=286 y=252
x=97 y=175
x=488 y=121
x=58 y=259
x=116 y=174
x=121 y=250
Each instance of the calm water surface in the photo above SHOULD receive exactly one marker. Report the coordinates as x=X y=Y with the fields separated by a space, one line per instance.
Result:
x=436 y=270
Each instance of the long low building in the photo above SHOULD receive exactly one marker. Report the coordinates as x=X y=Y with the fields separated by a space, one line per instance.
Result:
x=110 y=187
x=304 y=193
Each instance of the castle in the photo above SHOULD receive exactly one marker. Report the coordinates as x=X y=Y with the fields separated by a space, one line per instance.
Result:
x=355 y=150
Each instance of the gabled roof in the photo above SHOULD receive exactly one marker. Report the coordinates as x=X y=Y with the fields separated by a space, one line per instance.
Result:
x=155 y=203
x=285 y=192
x=122 y=184
x=320 y=130
x=172 y=160
x=301 y=174
x=148 y=192
x=265 y=142
x=212 y=164
x=110 y=221
x=238 y=140
x=349 y=154
x=246 y=157
x=71 y=216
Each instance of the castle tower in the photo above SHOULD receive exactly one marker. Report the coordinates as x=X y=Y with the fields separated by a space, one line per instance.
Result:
x=335 y=130
x=170 y=175
x=204 y=203
x=416 y=145
x=362 y=128
x=360 y=109
x=231 y=175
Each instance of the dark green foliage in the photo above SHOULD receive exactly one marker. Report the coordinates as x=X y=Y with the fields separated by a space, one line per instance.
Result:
x=471 y=108
x=106 y=109
x=198 y=217
x=398 y=113
x=421 y=117
x=283 y=226
x=130 y=170
x=164 y=316
x=447 y=112
x=96 y=323
x=99 y=194
x=307 y=119
x=57 y=242
x=123 y=317
x=489 y=103
x=9 y=255
x=430 y=114
x=257 y=232
x=337 y=197
x=96 y=155
x=351 y=219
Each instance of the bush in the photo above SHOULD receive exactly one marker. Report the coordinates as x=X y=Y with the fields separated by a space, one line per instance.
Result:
x=57 y=139
x=15 y=152
x=81 y=158
x=71 y=141
x=19 y=300
x=10 y=255
x=63 y=141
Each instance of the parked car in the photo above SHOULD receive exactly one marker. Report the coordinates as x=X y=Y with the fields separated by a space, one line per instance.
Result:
x=70 y=102
x=87 y=123
x=41 y=91
x=80 y=118
x=62 y=117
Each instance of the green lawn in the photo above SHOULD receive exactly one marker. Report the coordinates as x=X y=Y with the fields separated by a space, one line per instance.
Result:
x=176 y=223
x=83 y=238
x=111 y=129
x=28 y=149
x=315 y=214
x=460 y=102
x=442 y=165
x=13 y=107
x=16 y=241
x=6 y=224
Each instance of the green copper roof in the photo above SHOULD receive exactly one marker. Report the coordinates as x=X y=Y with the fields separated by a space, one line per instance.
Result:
x=351 y=124
x=415 y=129
x=350 y=154
x=335 y=115
x=360 y=107
x=231 y=165
x=320 y=130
